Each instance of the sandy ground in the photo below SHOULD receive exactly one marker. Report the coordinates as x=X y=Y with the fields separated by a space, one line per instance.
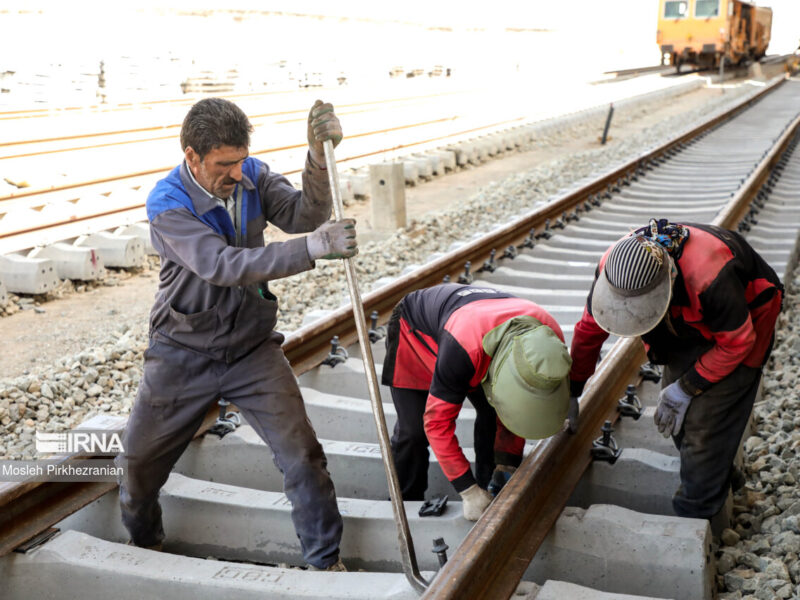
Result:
x=71 y=324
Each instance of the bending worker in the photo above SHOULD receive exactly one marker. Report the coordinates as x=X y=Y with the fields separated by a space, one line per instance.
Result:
x=211 y=327
x=505 y=354
x=705 y=304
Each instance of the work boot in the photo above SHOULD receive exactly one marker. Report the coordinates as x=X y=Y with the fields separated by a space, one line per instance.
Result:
x=156 y=547
x=737 y=479
x=337 y=566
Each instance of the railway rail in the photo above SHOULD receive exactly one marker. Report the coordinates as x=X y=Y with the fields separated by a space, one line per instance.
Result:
x=227 y=521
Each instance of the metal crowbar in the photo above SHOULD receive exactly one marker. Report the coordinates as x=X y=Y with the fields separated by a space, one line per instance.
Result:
x=403 y=533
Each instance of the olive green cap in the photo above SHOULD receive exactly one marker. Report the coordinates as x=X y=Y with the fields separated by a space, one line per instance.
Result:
x=528 y=379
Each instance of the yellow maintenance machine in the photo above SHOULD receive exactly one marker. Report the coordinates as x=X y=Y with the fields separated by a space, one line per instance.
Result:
x=705 y=32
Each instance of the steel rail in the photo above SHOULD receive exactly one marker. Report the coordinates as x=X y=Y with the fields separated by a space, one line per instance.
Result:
x=20 y=519
x=280 y=113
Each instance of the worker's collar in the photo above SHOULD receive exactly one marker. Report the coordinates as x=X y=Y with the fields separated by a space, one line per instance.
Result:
x=202 y=199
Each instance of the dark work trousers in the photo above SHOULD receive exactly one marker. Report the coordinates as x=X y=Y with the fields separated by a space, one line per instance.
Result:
x=177 y=389
x=410 y=444
x=709 y=438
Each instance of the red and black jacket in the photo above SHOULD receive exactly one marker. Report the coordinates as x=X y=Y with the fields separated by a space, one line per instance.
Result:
x=725 y=298
x=435 y=343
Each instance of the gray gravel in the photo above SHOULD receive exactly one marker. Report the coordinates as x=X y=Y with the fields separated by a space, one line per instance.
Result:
x=759 y=557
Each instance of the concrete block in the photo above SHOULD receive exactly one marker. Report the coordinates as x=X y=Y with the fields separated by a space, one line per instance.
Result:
x=213 y=519
x=77 y=565
x=448 y=158
x=3 y=294
x=23 y=275
x=360 y=183
x=346 y=379
x=606 y=547
x=72 y=262
x=141 y=231
x=435 y=162
x=410 y=172
x=480 y=152
x=240 y=458
x=388 y=193
x=562 y=590
x=123 y=251
x=461 y=152
x=341 y=418
x=614 y=549
x=641 y=480
x=346 y=188
x=424 y=167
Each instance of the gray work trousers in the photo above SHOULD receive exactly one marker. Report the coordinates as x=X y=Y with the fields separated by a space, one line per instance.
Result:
x=709 y=438
x=177 y=390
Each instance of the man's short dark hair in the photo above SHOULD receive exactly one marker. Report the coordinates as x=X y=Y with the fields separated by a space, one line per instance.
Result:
x=215 y=122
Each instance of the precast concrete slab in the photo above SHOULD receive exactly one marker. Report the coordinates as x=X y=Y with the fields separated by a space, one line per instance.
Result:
x=448 y=158
x=410 y=171
x=232 y=523
x=24 y=275
x=435 y=162
x=564 y=299
x=424 y=167
x=124 y=251
x=572 y=242
x=361 y=183
x=545 y=266
x=614 y=549
x=643 y=434
x=606 y=547
x=342 y=418
x=563 y=590
x=378 y=350
x=72 y=262
x=508 y=274
x=240 y=458
x=461 y=152
x=344 y=379
x=77 y=565
x=588 y=229
x=141 y=231
x=640 y=479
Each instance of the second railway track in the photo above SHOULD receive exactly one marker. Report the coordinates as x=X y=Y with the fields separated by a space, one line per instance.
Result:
x=227 y=523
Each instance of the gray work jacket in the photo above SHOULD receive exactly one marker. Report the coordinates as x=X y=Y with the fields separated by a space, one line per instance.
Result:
x=212 y=295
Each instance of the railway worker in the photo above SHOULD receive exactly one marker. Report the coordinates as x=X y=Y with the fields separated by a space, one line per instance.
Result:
x=211 y=326
x=705 y=304
x=506 y=354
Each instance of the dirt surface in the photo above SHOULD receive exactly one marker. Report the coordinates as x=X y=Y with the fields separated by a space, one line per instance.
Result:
x=34 y=338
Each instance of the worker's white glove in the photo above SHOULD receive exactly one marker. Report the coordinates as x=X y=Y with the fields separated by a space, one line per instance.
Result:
x=332 y=240
x=323 y=124
x=474 y=501
x=673 y=403
x=572 y=414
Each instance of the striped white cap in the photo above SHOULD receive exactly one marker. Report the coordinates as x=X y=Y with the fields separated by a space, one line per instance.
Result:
x=634 y=290
x=633 y=264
